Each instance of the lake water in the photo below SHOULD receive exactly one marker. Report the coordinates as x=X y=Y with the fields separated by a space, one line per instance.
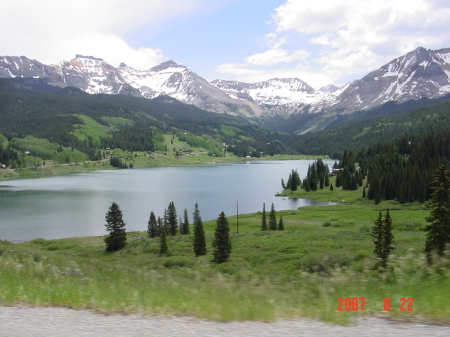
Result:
x=75 y=205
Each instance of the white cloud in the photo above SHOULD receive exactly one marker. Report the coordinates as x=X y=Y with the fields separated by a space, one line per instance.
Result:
x=55 y=30
x=342 y=40
x=275 y=56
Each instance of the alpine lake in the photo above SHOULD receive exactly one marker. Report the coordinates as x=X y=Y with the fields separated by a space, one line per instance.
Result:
x=75 y=205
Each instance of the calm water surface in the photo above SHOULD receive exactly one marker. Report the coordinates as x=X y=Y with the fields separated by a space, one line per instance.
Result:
x=75 y=205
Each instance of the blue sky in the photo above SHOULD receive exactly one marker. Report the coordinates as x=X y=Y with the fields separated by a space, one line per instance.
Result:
x=321 y=42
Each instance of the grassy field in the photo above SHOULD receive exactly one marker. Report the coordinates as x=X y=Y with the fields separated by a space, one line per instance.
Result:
x=325 y=253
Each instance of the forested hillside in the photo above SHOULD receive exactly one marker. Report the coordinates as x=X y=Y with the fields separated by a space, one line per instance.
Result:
x=71 y=120
x=361 y=134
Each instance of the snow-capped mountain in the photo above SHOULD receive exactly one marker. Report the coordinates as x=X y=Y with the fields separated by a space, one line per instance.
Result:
x=282 y=95
x=93 y=75
x=420 y=73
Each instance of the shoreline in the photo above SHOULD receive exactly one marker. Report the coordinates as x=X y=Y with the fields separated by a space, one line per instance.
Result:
x=138 y=163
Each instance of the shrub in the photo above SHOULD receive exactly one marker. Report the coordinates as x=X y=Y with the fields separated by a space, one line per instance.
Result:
x=176 y=261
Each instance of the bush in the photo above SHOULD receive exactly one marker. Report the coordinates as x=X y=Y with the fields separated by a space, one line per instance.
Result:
x=177 y=261
x=53 y=246
x=324 y=263
x=39 y=241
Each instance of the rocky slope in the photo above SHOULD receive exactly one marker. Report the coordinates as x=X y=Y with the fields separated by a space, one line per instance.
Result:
x=420 y=73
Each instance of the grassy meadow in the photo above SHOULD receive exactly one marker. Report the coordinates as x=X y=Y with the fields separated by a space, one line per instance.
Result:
x=324 y=253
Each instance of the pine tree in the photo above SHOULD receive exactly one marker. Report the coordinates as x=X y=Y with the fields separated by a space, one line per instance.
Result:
x=172 y=219
x=331 y=187
x=163 y=249
x=117 y=238
x=166 y=222
x=281 y=224
x=152 y=228
x=377 y=235
x=272 y=219
x=382 y=236
x=439 y=220
x=327 y=179
x=222 y=243
x=388 y=237
x=264 y=220
x=199 y=234
x=186 y=229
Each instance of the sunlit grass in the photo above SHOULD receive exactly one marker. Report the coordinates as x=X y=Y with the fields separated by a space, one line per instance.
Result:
x=299 y=272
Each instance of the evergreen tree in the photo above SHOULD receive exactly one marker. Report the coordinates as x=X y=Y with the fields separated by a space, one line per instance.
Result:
x=281 y=224
x=388 y=237
x=163 y=249
x=199 y=234
x=117 y=238
x=221 y=243
x=186 y=229
x=439 y=220
x=172 y=219
x=377 y=235
x=166 y=222
x=264 y=220
x=272 y=219
x=338 y=179
x=331 y=187
x=152 y=228
x=382 y=236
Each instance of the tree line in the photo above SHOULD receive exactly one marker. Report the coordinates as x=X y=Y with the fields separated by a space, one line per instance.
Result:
x=438 y=228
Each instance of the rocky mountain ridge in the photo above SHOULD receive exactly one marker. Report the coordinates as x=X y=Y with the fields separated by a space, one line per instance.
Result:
x=417 y=74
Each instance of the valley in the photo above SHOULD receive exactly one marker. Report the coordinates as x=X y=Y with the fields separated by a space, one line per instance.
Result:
x=387 y=132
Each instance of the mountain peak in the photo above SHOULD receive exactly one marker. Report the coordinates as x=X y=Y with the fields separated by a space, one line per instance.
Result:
x=166 y=65
x=78 y=56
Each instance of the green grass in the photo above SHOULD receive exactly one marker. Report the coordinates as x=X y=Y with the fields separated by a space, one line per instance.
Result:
x=91 y=128
x=38 y=147
x=324 y=254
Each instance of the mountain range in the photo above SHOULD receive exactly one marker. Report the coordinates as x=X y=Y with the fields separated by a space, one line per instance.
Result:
x=421 y=73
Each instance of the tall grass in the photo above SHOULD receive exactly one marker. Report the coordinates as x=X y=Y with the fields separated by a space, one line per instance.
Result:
x=300 y=272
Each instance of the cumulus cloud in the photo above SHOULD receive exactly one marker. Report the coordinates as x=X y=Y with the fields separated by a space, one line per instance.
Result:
x=55 y=30
x=346 y=39
x=275 y=56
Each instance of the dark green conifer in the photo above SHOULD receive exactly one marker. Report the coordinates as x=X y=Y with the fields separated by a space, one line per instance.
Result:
x=438 y=229
x=263 y=219
x=199 y=234
x=152 y=228
x=186 y=229
x=382 y=236
x=222 y=242
x=117 y=238
x=272 y=219
x=172 y=219
x=281 y=224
